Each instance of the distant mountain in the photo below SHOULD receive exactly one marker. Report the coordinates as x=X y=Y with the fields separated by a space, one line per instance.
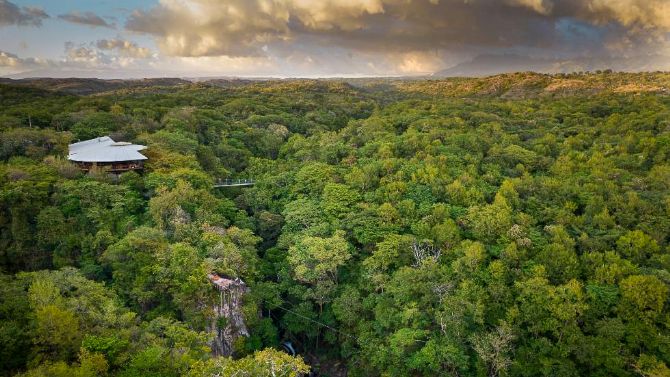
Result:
x=104 y=74
x=232 y=82
x=488 y=65
x=84 y=86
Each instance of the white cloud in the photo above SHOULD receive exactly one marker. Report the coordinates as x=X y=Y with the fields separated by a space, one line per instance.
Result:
x=125 y=48
x=540 y=6
x=9 y=60
x=104 y=55
x=11 y=63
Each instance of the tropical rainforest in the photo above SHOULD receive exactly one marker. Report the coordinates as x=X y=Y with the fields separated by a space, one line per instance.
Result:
x=515 y=225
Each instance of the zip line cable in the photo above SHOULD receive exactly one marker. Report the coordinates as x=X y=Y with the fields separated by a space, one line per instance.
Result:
x=309 y=319
x=321 y=323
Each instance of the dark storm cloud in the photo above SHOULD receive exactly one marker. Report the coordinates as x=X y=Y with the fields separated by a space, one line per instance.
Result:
x=11 y=14
x=86 y=18
x=365 y=37
x=244 y=27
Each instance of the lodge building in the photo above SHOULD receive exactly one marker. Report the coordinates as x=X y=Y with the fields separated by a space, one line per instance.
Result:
x=107 y=155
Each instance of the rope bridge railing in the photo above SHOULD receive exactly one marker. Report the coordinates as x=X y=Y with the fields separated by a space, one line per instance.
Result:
x=234 y=182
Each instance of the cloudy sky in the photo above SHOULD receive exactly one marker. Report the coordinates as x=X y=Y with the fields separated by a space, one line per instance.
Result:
x=317 y=38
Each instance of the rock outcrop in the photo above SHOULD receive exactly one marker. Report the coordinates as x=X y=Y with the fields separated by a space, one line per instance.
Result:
x=228 y=321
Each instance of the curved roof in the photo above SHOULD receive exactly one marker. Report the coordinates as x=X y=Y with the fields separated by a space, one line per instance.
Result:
x=104 y=149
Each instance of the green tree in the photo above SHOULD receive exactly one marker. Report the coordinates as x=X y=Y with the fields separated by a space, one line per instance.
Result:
x=642 y=297
x=315 y=261
x=637 y=246
x=265 y=363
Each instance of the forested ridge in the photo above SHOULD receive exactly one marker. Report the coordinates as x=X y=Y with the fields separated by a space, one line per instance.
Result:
x=516 y=225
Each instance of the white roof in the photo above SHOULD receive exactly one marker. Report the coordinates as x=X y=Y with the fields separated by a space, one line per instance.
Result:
x=104 y=149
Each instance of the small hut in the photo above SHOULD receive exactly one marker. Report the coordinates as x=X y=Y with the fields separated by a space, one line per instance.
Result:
x=107 y=155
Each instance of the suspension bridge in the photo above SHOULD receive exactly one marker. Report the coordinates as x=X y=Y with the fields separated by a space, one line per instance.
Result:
x=234 y=182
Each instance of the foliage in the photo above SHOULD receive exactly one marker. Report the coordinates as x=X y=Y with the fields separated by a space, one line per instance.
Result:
x=515 y=225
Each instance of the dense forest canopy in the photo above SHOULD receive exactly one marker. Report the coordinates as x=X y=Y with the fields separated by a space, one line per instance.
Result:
x=517 y=225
